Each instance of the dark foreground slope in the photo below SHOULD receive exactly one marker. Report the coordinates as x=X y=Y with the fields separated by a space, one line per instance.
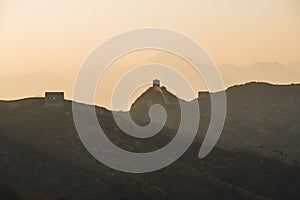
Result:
x=42 y=157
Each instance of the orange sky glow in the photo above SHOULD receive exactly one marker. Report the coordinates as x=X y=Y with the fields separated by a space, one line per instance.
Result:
x=45 y=37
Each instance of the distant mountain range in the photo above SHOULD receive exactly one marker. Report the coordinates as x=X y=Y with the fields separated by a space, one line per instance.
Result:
x=261 y=72
x=16 y=86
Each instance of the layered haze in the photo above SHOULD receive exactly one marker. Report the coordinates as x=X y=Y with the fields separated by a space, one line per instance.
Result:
x=43 y=43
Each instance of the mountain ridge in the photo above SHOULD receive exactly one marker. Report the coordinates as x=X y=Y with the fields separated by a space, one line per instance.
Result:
x=256 y=83
x=42 y=155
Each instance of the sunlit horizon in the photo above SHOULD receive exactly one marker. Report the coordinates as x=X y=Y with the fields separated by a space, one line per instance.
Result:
x=44 y=43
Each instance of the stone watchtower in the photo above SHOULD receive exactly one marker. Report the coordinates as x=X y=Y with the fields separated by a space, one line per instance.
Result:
x=54 y=98
x=156 y=83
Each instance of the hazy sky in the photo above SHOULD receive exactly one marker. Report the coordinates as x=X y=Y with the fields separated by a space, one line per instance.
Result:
x=48 y=36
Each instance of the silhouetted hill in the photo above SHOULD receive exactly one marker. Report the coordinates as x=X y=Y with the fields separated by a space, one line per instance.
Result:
x=155 y=95
x=42 y=156
x=261 y=117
